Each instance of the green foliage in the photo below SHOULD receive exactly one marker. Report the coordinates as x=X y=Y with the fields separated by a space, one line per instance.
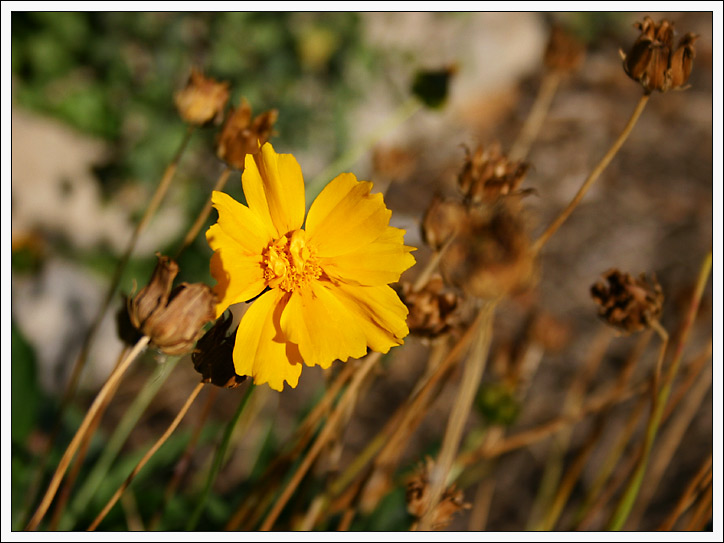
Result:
x=497 y=403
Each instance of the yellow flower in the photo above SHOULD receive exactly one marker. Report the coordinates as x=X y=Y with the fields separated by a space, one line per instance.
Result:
x=325 y=293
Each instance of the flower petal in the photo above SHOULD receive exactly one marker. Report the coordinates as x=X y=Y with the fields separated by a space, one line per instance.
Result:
x=238 y=278
x=274 y=189
x=240 y=223
x=380 y=313
x=378 y=263
x=345 y=216
x=325 y=330
x=261 y=350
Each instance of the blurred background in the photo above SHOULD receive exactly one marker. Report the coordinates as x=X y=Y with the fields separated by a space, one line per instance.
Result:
x=94 y=125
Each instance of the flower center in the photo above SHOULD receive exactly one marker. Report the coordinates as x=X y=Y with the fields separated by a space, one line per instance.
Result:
x=289 y=262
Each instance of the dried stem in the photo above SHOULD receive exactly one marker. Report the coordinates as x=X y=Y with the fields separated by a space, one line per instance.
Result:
x=627 y=500
x=204 y=213
x=324 y=436
x=75 y=442
x=704 y=511
x=64 y=493
x=536 y=116
x=472 y=374
x=181 y=414
x=593 y=176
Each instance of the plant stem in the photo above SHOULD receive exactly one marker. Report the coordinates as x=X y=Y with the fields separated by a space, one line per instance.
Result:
x=218 y=459
x=147 y=456
x=593 y=176
x=627 y=500
x=77 y=438
x=537 y=115
x=472 y=374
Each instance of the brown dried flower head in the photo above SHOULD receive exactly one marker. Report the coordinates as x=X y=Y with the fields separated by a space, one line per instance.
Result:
x=442 y=219
x=628 y=304
x=490 y=255
x=564 y=52
x=172 y=319
x=417 y=495
x=202 y=100
x=432 y=308
x=488 y=174
x=653 y=61
x=212 y=356
x=241 y=135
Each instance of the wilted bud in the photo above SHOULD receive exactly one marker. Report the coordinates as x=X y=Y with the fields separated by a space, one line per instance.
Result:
x=654 y=63
x=442 y=219
x=172 y=319
x=564 y=52
x=417 y=495
x=490 y=255
x=202 y=100
x=628 y=304
x=241 y=135
x=432 y=309
x=488 y=174
x=212 y=356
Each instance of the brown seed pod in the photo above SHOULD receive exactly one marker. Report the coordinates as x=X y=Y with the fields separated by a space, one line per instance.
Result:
x=212 y=356
x=626 y=303
x=433 y=310
x=173 y=320
x=202 y=100
x=653 y=61
x=488 y=174
x=241 y=135
x=564 y=52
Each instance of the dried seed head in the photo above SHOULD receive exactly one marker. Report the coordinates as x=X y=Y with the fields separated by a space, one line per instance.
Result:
x=393 y=163
x=241 y=135
x=564 y=52
x=202 y=100
x=442 y=219
x=491 y=256
x=652 y=60
x=172 y=319
x=212 y=356
x=488 y=174
x=432 y=308
x=628 y=304
x=418 y=497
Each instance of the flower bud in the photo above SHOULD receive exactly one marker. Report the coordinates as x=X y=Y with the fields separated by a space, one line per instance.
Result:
x=212 y=356
x=626 y=303
x=442 y=219
x=241 y=135
x=172 y=319
x=202 y=100
x=654 y=63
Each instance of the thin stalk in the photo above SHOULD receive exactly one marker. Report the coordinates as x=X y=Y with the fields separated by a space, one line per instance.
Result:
x=183 y=464
x=593 y=176
x=322 y=440
x=537 y=115
x=114 y=444
x=146 y=457
x=703 y=513
x=80 y=361
x=77 y=438
x=688 y=497
x=472 y=374
x=204 y=213
x=627 y=500
x=218 y=459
